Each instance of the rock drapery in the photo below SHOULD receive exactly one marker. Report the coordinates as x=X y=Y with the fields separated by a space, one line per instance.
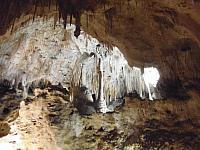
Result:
x=31 y=54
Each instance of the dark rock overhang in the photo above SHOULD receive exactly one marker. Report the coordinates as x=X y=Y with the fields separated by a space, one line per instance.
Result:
x=10 y=10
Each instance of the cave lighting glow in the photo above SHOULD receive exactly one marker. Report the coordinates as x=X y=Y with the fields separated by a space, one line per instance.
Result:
x=151 y=76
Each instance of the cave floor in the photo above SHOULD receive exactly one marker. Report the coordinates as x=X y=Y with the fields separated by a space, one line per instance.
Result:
x=51 y=122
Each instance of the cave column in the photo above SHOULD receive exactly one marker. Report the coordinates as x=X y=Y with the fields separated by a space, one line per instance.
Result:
x=101 y=102
x=25 y=86
x=83 y=76
x=148 y=88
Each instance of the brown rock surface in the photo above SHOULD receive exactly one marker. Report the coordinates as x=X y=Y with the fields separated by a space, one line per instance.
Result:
x=4 y=129
x=53 y=123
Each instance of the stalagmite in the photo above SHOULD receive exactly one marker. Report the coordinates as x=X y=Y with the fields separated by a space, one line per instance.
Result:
x=101 y=101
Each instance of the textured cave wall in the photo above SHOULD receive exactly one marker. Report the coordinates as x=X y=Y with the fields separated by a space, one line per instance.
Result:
x=165 y=34
x=161 y=33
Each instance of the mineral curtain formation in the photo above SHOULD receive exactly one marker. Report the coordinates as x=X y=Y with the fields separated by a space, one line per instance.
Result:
x=32 y=55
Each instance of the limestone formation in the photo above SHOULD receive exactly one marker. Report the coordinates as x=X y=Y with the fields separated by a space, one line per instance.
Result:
x=71 y=63
x=149 y=33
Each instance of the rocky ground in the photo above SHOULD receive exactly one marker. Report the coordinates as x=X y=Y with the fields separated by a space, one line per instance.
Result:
x=49 y=121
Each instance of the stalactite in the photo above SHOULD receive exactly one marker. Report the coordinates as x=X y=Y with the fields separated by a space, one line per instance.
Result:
x=49 y=4
x=12 y=26
x=109 y=14
x=8 y=14
x=55 y=21
x=71 y=19
x=73 y=8
x=35 y=9
x=65 y=22
x=43 y=6
x=87 y=20
x=78 y=24
x=59 y=16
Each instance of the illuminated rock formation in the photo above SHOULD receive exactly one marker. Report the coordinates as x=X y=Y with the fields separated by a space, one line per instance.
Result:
x=32 y=55
x=164 y=34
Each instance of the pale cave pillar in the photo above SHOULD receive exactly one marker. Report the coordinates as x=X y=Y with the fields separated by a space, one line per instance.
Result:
x=71 y=93
x=148 y=88
x=13 y=83
x=101 y=102
x=83 y=76
x=25 y=86
x=140 y=86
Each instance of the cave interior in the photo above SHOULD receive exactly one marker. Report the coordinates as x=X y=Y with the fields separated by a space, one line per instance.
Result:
x=99 y=74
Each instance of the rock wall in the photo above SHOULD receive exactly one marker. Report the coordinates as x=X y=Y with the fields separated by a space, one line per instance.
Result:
x=164 y=34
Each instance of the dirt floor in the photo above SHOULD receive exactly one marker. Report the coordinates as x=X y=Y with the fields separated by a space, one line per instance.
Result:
x=51 y=122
